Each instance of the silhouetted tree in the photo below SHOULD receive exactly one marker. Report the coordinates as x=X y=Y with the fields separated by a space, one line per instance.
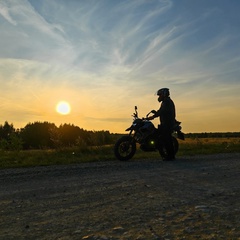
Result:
x=37 y=135
x=98 y=138
x=9 y=137
x=55 y=137
x=69 y=134
x=6 y=130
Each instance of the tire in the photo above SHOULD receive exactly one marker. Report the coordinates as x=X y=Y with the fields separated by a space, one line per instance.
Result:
x=125 y=148
x=163 y=151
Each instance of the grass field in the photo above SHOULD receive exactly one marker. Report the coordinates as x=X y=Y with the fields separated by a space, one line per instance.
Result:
x=189 y=147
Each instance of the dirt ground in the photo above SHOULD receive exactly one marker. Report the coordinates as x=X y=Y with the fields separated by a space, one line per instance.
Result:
x=190 y=198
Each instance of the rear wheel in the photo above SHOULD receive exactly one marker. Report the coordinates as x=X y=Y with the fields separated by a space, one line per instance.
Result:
x=163 y=151
x=125 y=148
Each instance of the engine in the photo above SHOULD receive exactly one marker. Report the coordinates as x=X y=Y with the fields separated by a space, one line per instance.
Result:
x=145 y=136
x=147 y=129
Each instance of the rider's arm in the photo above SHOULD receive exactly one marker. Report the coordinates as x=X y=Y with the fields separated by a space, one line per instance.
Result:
x=151 y=118
x=156 y=114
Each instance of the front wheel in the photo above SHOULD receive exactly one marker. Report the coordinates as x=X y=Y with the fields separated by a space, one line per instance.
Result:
x=125 y=148
x=163 y=151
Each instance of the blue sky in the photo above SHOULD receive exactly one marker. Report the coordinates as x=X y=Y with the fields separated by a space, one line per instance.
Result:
x=106 y=56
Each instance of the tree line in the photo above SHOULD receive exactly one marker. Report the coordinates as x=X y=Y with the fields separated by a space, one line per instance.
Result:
x=213 y=135
x=46 y=135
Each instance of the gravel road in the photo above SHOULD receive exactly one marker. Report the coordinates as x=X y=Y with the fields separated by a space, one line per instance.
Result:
x=194 y=197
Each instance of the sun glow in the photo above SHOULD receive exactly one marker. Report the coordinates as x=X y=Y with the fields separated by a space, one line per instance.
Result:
x=63 y=108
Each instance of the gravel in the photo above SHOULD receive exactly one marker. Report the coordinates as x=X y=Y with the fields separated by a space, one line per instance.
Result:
x=194 y=197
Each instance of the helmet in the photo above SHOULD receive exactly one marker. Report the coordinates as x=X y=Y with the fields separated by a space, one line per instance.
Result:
x=164 y=92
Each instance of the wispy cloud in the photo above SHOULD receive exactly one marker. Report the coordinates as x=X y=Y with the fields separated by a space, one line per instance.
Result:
x=5 y=13
x=115 y=53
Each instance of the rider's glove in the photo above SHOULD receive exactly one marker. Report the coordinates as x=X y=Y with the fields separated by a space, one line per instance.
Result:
x=150 y=118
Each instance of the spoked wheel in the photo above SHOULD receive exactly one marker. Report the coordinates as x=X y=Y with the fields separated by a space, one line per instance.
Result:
x=125 y=148
x=163 y=151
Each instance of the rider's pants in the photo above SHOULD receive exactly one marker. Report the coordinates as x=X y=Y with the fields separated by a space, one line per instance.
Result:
x=166 y=134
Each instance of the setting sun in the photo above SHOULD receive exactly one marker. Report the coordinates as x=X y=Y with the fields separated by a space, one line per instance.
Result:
x=63 y=108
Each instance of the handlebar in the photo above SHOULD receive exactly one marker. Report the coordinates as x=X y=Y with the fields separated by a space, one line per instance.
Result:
x=135 y=114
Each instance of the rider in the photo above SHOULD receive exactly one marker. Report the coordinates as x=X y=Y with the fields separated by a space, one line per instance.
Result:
x=166 y=114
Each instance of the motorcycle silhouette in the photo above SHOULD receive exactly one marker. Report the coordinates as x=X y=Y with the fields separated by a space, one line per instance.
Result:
x=143 y=132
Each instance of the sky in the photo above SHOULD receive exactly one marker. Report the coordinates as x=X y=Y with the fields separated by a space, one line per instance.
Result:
x=104 y=57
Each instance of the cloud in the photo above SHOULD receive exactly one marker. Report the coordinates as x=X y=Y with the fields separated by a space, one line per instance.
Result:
x=84 y=39
x=4 y=11
x=37 y=39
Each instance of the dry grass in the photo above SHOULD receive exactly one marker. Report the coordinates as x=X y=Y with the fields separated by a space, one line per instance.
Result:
x=209 y=146
x=189 y=147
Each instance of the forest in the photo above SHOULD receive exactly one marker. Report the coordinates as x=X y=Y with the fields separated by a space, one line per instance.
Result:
x=46 y=135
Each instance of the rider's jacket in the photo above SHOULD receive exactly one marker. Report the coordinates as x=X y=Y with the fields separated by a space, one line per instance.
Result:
x=167 y=113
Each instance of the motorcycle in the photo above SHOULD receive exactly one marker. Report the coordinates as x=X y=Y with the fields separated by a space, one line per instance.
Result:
x=143 y=132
